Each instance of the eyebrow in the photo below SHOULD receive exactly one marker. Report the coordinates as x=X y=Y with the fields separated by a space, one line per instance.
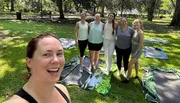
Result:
x=60 y=50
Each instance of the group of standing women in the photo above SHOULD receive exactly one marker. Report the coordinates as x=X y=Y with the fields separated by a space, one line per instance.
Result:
x=109 y=35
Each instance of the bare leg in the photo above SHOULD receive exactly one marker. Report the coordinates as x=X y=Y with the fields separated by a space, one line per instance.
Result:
x=96 y=58
x=81 y=61
x=91 y=54
x=136 y=67
x=132 y=61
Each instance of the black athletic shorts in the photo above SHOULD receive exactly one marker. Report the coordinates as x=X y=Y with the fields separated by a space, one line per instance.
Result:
x=95 y=47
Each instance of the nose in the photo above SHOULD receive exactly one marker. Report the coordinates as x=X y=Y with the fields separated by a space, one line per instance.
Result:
x=55 y=59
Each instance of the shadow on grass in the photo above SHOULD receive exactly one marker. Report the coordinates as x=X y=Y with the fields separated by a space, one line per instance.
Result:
x=12 y=67
x=160 y=29
x=12 y=63
x=172 y=49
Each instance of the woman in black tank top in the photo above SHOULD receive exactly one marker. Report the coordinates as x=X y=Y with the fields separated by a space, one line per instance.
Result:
x=44 y=62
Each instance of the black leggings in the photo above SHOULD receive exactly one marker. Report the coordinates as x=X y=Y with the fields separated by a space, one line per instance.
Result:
x=122 y=53
x=82 y=46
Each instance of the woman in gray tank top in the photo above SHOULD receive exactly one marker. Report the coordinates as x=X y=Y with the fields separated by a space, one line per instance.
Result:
x=123 y=44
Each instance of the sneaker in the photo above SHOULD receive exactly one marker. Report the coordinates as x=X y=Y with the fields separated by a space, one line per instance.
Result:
x=136 y=77
x=88 y=69
x=80 y=69
x=119 y=73
x=125 y=74
x=107 y=73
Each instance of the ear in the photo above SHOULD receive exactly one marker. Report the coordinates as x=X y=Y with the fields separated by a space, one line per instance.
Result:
x=28 y=62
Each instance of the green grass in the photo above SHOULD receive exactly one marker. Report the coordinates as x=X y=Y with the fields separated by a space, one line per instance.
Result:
x=18 y=33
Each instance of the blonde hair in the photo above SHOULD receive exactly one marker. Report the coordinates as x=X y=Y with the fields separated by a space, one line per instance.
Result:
x=97 y=15
x=140 y=22
x=83 y=13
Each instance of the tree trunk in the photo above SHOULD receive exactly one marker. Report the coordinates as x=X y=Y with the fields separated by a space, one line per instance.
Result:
x=94 y=10
x=122 y=8
x=176 y=20
x=102 y=12
x=41 y=8
x=150 y=10
x=7 y=5
x=12 y=5
x=39 y=5
x=59 y=4
x=65 y=7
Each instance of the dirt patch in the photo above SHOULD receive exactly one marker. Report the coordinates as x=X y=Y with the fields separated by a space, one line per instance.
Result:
x=2 y=35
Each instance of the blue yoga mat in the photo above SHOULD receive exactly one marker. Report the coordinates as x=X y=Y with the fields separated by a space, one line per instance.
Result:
x=157 y=53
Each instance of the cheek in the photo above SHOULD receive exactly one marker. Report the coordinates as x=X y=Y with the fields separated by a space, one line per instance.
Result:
x=62 y=61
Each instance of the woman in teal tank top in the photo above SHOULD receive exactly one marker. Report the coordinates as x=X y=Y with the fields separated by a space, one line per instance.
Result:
x=95 y=41
x=136 y=50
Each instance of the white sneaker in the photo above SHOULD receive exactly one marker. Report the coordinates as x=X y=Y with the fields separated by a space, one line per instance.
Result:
x=119 y=73
x=107 y=72
x=125 y=74
x=81 y=69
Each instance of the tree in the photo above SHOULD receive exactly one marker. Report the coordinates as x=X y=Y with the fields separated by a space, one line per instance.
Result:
x=167 y=6
x=12 y=5
x=176 y=20
x=150 y=10
x=59 y=4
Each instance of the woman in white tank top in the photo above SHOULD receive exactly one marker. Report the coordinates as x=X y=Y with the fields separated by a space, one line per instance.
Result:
x=81 y=37
x=109 y=40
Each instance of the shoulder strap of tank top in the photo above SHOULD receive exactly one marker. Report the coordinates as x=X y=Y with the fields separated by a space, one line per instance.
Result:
x=23 y=94
x=64 y=95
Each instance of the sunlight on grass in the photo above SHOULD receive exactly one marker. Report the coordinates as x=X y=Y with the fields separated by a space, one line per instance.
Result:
x=18 y=33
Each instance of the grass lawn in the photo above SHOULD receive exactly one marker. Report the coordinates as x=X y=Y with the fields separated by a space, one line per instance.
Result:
x=18 y=33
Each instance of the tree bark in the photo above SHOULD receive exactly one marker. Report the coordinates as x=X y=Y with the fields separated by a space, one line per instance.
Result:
x=176 y=20
x=59 y=4
x=102 y=10
x=65 y=7
x=150 y=10
x=12 y=5
x=122 y=8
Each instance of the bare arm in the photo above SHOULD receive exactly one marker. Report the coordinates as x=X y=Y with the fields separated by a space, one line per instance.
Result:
x=103 y=26
x=16 y=99
x=76 y=33
x=89 y=26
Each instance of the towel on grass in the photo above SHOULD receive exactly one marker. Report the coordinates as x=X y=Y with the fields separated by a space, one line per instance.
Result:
x=67 y=43
x=157 y=53
x=155 y=40
x=162 y=85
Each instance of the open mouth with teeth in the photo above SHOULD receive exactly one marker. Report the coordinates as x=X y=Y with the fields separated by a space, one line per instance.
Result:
x=53 y=70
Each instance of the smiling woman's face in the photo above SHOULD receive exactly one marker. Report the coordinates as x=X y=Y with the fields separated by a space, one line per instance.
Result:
x=83 y=17
x=111 y=16
x=123 y=22
x=48 y=60
x=136 y=24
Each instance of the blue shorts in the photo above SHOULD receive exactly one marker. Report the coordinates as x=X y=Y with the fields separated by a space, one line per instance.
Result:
x=138 y=54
